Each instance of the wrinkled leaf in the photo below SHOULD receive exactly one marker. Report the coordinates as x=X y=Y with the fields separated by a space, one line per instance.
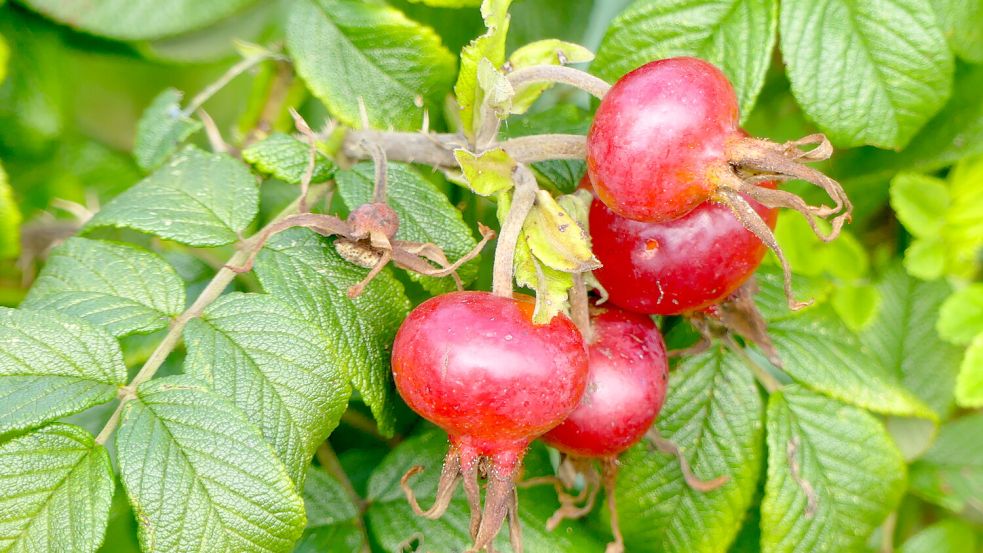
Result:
x=556 y=239
x=303 y=269
x=859 y=78
x=161 y=129
x=199 y=475
x=271 y=362
x=349 y=49
x=197 y=198
x=833 y=474
x=950 y=474
x=487 y=173
x=490 y=46
x=333 y=524
x=57 y=487
x=53 y=365
x=286 y=158
x=962 y=23
x=120 y=287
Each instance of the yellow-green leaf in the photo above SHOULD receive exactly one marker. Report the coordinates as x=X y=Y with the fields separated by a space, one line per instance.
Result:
x=487 y=173
x=550 y=51
x=556 y=239
x=969 y=384
x=490 y=45
x=9 y=220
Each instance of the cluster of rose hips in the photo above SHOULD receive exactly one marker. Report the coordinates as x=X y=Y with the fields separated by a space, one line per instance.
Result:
x=682 y=217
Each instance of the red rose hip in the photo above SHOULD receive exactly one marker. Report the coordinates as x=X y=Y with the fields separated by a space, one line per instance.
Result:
x=475 y=364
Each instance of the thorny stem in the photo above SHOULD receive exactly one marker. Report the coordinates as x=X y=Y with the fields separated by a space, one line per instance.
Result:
x=522 y=201
x=380 y=164
x=329 y=462
x=770 y=383
x=559 y=74
x=212 y=291
x=272 y=108
x=233 y=72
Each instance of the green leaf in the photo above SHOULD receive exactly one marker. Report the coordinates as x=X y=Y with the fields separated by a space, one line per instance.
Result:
x=962 y=23
x=53 y=365
x=425 y=215
x=548 y=51
x=123 y=288
x=925 y=258
x=302 y=268
x=713 y=413
x=490 y=46
x=556 y=239
x=333 y=524
x=392 y=522
x=833 y=474
x=136 y=19
x=819 y=351
x=855 y=304
x=271 y=362
x=951 y=473
x=950 y=535
x=4 y=56
x=920 y=202
x=161 y=129
x=961 y=316
x=199 y=475
x=563 y=174
x=969 y=384
x=487 y=173
x=348 y=49
x=197 y=198
x=859 y=78
x=10 y=219
x=57 y=486
x=736 y=35
x=903 y=338
x=284 y=157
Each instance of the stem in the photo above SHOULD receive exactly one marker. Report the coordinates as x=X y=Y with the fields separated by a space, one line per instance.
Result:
x=770 y=383
x=233 y=72
x=522 y=201
x=887 y=533
x=273 y=106
x=437 y=150
x=559 y=74
x=540 y=147
x=211 y=292
x=329 y=462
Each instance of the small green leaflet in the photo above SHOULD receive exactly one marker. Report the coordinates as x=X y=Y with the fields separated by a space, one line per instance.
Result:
x=950 y=536
x=425 y=215
x=137 y=19
x=197 y=198
x=856 y=76
x=286 y=158
x=161 y=129
x=903 y=338
x=349 y=49
x=713 y=413
x=56 y=487
x=333 y=524
x=962 y=21
x=303 y=269
x=392 y=522
x=950 y=474
x=490 y=46
x=961 y=316
x=120 y=287
x=272 y=363
x=736 y=35
x=487 y=173
x=969 y=384
x=53 y=365
x=10 y=219
x=199 y=475
x=819 y=351
x=833 y=474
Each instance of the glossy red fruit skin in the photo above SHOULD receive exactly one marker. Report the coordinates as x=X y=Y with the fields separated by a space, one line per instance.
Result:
x=475 y=364
x=655 y=134
x=627 y=386
x=677 y=266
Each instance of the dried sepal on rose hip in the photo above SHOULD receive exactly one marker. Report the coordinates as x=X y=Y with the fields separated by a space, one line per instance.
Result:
x=476 y=365
x=367 y=237
x=665 y=139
